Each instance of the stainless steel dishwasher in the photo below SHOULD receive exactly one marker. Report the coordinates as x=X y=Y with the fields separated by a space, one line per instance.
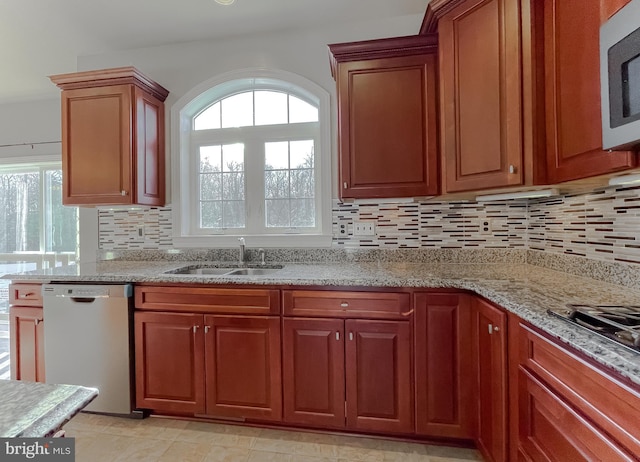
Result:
x=87 y=341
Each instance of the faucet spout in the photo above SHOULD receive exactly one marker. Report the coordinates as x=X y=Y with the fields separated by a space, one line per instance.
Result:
x=241 y=254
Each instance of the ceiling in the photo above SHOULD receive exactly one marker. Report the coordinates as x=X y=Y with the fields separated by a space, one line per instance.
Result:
x=43 y=37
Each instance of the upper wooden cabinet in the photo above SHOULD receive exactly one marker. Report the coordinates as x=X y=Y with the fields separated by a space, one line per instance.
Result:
x=112 y=138
x=570 y=41
x=387 y=117
x=481 y=96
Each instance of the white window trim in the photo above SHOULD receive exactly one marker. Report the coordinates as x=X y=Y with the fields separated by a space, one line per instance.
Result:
x=182 y=113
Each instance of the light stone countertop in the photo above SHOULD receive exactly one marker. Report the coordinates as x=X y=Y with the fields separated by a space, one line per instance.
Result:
x=523 y=289
x=37 y=410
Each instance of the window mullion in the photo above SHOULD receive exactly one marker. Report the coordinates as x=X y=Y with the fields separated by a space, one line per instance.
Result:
x=254 y=192
x=43 y=210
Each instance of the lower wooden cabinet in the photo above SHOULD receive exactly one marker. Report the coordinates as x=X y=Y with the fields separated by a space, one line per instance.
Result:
x=353 y=374
x=564 y=407
x=221 y=366
x=445 y=396
x=27 y=343
x=490 y=357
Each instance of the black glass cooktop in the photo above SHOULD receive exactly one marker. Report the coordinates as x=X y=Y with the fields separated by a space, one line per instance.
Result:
x=620 y=323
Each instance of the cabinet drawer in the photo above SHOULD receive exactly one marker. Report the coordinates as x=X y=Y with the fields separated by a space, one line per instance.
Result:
x=208 y=300
x=614 y=406
x=325 y=303
x=25 y=294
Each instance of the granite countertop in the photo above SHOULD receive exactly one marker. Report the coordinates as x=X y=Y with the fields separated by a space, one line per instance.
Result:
x=524 y=289
x=34 y=410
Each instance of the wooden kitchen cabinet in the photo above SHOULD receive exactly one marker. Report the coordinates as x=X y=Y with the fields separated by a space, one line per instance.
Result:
x=313 y=372
x=341 y=372
x=610 y=7
x=564 y=407
x=242 y=364
x=190 y=361
x=170 y=367
x=490 y=358
x=27 y=343
x=387 y=120
x=26 y=331
x=113 y=147
x=445 y=396
x=480 y=95
x=570 y=40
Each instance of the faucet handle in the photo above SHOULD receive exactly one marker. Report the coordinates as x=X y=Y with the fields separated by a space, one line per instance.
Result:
x=241 y=240
x=262 y=254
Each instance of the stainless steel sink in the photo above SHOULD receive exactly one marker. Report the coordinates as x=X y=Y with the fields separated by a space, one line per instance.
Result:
x=205 y=270
x=253 y=272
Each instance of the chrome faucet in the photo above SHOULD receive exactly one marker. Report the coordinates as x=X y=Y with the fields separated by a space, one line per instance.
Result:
x=262 y=254
x=241 y=255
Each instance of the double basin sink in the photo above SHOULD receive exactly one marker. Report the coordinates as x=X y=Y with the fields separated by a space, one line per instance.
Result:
x=207 y=270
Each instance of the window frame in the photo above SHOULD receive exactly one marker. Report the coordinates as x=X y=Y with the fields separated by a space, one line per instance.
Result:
x=186 y=142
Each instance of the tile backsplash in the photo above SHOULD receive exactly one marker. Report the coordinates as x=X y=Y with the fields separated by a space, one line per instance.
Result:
x=603 y=224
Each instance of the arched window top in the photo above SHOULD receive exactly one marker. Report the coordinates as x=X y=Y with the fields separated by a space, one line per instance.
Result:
x=257 y=107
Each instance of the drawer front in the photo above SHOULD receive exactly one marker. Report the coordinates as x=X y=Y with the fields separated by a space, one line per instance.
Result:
x=551 y=430
x=208 y=300
x=25 y=294
x=337 y=304
x=611 y=404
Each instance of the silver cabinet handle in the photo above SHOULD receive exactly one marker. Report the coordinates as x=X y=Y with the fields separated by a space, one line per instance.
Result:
x=38 y=321
x=345 y=185
x=496 y=329
x=490 y=329
x=337 y=335
x=350 y=335
x=344 y=304
x=493 y=329
x=206 y=329
x=512 y=169
x=195 y=328
x=123 y=192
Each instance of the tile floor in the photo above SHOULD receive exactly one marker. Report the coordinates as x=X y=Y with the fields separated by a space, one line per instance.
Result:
x=107 y=439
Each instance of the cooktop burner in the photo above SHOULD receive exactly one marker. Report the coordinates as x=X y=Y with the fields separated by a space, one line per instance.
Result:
x=620 y=323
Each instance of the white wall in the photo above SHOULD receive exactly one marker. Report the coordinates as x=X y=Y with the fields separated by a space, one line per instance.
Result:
x=30 y=122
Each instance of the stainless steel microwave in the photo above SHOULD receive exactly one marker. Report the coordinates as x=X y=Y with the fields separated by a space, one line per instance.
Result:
x=620 y=78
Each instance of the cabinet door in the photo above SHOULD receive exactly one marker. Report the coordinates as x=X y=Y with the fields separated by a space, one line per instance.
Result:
x=443 y=359
x=551 y=430
x=610 y=7
x=149 y=145
x=313 y=371
x=572 y=87
x=490 y=346
x=387 y=123
x=243 y=367
x=27 y=343
x=169 y=362
x=378 y=376
x=97 y=149
x=480 y=95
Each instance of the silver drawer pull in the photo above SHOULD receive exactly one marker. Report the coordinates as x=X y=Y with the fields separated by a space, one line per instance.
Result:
x=337 y=335
x=350 y=335
x=408 y=313
x=206 y=329
x=344 y=304
x=195 y=328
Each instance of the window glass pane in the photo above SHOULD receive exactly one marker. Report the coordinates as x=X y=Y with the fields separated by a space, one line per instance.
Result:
x=233 y=157
x=211 y=214
x=207 y=119
x=301 y=111
x=271 y=107
x=61 y=223
x=210 y=186
x=237 y=110
x=277 y=213
x=233 y=214
x=276 y=184
x=210 y=158
x=20 y=202
x=302 y=213
x=276 y=155
x=302 y=184
x=233 y=185
x=301 y=153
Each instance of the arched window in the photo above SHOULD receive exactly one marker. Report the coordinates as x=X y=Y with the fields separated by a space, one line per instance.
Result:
x=254 y=161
